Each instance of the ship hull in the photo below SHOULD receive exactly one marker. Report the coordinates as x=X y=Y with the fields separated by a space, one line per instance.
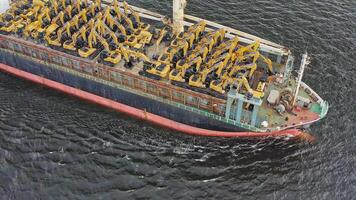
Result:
x=135 y=105
x=118 y=95
x=141 y=114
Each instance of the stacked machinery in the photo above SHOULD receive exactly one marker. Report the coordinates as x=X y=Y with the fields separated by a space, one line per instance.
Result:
x=197 y=58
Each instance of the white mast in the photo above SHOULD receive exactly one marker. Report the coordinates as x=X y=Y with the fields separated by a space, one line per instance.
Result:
x=178 y=15
x=303 y=64
x=4 y=5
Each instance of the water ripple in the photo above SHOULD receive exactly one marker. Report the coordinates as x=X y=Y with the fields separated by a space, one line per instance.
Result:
x=54 y=146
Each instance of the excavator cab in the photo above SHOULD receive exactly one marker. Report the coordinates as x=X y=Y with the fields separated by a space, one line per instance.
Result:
x=110 y=59
x=156 y=71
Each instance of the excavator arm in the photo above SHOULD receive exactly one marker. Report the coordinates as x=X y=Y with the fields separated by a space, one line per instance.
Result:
x=128 y=8
x=268 y=62
x=256 y=94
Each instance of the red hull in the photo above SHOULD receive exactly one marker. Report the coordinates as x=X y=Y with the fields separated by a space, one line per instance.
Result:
x=161 y=121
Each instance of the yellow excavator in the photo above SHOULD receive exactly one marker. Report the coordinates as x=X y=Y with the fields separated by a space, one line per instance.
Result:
x=13 y=25
x=89 y=50
x=180 y=74
x=112 y=23
x=256 y=94
x=55 y=40
x=71 y=44
x=179 y=46
x=268 y=63
x=224 y=58
x=141 y=25
x=139 y=39
x=200 y=80
x=161 y=37
x=79 y=39
x=108 y=55
x=253 y=47
x=80 y=5
x=37 y=28
x=54 y=23
x=222 y=86
x=194 y=32
x=157 y=72
x=228 y=46
x=233 y=70
x=37 y=5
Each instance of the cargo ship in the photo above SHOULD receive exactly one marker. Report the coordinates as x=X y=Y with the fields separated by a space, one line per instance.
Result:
x=183 y=73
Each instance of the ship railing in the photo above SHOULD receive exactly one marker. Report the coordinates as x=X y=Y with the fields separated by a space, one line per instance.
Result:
x=323 y=104
x=311 y=92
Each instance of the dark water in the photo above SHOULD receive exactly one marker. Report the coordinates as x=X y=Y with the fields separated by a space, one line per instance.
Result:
x=57 y=147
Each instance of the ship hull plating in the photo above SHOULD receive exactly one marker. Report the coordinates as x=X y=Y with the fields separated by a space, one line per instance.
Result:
x=118 y=95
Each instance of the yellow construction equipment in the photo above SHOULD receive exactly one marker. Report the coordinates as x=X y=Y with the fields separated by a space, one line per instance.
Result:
x=268 y=63
x=228 y=46
x=56 y=39
x=12 y=26
x=55 y=23
x=109 y=55
x=89 y=50
x=72 y=43
x=112 y=23
x=156 y=71
x=253 y=47
x=256 y=94
x=37 y=28
x=162 y=36
x=180 y=74
x=200 y=80
x=129 y=10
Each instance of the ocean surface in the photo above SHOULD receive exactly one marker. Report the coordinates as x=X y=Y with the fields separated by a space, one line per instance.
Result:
x=53 y=146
